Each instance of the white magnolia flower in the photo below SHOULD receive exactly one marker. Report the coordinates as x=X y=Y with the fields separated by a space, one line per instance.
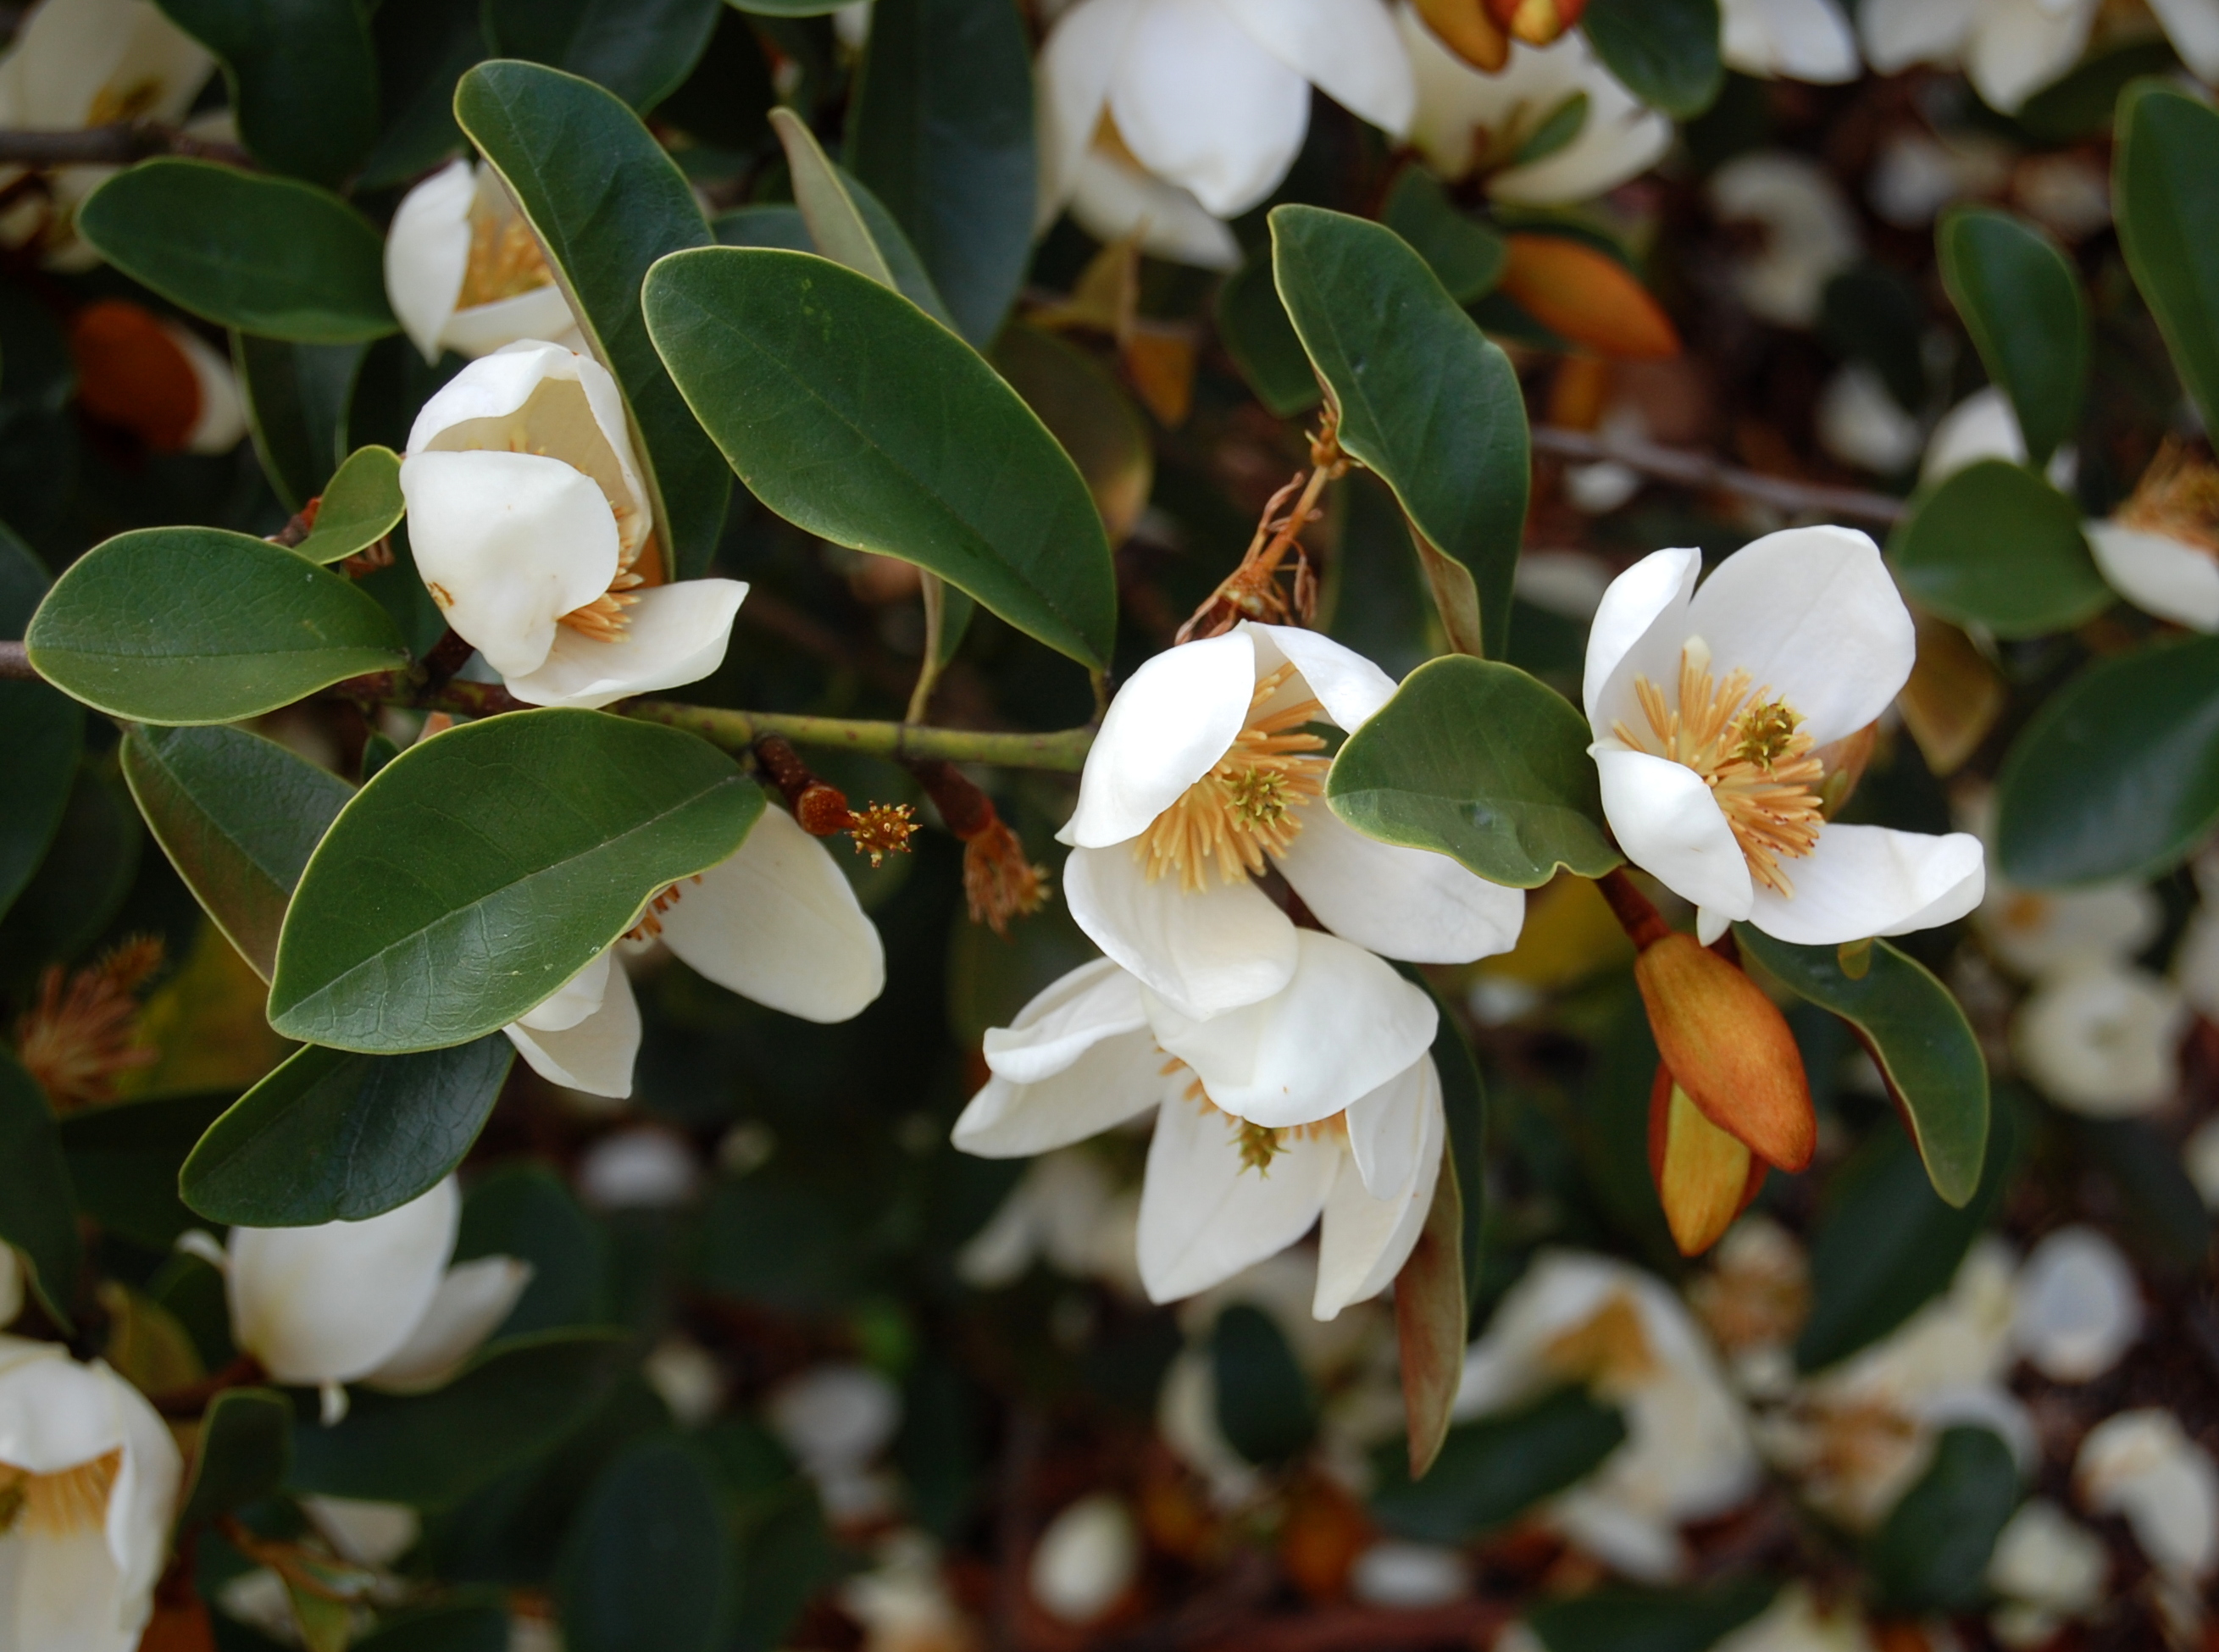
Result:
x=465 y=271
x=2161 y=549
x=2034 y=933
x=533 y=531
x=1086 y=1559
x=89 y=1478
x=2141 y=1465
x=2193 y=27
x=1319 y=1100
x=1409 y=1576
x=1810 y=235
x=1468 y=121
x=1066 y=1211
x=1713 y=711
x=2079 y=1307
x=2102 y=1038
x=371 y=1301
x=1687 y=1456
x=1861 y=423
x=1164 y=115
x=1203 y=775
x=776 y=922
x=85 y=63
x=2010 y=49
x=1984 y=425
x=836 y=1420
x=1789 y=40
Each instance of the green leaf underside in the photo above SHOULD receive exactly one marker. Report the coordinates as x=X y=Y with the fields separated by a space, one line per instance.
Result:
x=2165 y=194
x=513 y=1401
x=360 y=506
x=123 y=1160
x=1478 y=760
x=189 y=625
x=2020 y=298
x=853 y=414
x=1426 y=399
x=2117 y=775
x=334 y=1136
x=245 y=1452
x=607 y=201
x=507 y=853
x=238 y=816
x=271 y=256
x=1996 y=545
x=38 y=1209
x=1493 y=1468
x=1920 y=1038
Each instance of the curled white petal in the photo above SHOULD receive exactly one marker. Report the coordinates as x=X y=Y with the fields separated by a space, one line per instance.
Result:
x=1064 y=1021
x=1206 y=1213
x=1111 y=200
x=673 y=635
x=1113 y=1080
x=1347 y=48
x=472 y=1301
x=1793 y=39
x=1371 y=1223
x=1076 y=61
x=1400 y=901
x=1671 y=826
x=1349 y=687
x=593 y=1054
x=1646 y=605
x=1167 y=727
x=2158 y=574
x=1210 y=950
x=427 y=254
x=1870 y=880
x=1200 y=103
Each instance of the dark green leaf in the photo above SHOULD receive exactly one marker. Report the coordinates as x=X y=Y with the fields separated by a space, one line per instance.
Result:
x=526 y=1211
x=508 y=853
x=2163 y=1212
x=940 y=129
x=1996 y=545
x=1477 y=760
x=1554 y=133
x=1265 y=1406
x=360 y=506
x=1466 y=254
x=245 y=1452
x=1932 y=1554
x=1916 y=1034
x=336 y=1137
x=513 y=1402
x=38 y=1209
x=771 y=226
x=1492 y=1470
x=1091 y=418
x=849 y=413
x=186 y=625
x=296 y=406
x=2081 y=105
x=1886 y=1245
x=267 y=255
x=1614 y=1619
x=2020 y=299
x=1253 y=326
x=645 y=1567
x=2165 y=193
x=90 y=863
x=1425 y=400
x=46 y=731
x=606 y=203
x=463 y=1627
x=847 y=223
x=1873 y=313
x=1665 y=51
x=424 y=47
x=641 y=50
x=123 y=1160
x=302 y=76
x=238 y=815
x=2117 y=775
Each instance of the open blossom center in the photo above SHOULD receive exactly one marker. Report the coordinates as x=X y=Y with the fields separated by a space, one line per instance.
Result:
x=1246 y=806
x=506 y=261
x=62 y=1503
x=1260 y=1143
x=2178 y=497
x=1749 y=749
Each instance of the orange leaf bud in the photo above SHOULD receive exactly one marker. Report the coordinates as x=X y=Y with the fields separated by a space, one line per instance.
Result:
x=1587 y=296
x=1705 y=1177
x=1465 y=29
x=1729 y=1048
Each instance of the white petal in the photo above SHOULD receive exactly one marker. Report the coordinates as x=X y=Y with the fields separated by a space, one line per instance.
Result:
x=1899 y=33
x=594 y=1054
x=471 y=1302
x=2018 y=46
x=141 y=1506
x=1073 y=77
x=427 y=253
x=2158 y=574
x=574 y=1000
x=1365 y=1238
x=1201 y=104
x=1205 y=1215
x=673 y=635
x=1347 y=48
x=2079 y=1308
x=221 y=420
x=2102 y=1038
x=779 y=924
x=1403 y=902
x=1650 y=596
x=328 y=1304
x=1169 y=725
x=1348 y=685
x=2193 y=27
x=1796 y=39
x=1869 y=880
x=1111 y=1082
x=1110 y=200
x=543 y=312
x=1344 y=1026
x=1219 y=946
x=1981 y=426
x=1669 y=825
x=55 y=1412
x=1064 y=1021
x=1812 y=614
x=506 y=544
x=1387 y=1128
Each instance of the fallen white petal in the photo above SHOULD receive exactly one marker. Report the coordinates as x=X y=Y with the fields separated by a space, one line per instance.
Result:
x=2158 y=574
x=2079 y=1308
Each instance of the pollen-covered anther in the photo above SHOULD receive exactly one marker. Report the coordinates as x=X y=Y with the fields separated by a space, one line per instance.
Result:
x=603 y=618
x=1247 y=805
x=651 y=921
x=80 y=1036
x=2178 y=497
x=506 y=261
x=65 y=1503
x=999 y=883
x=882 y=830
x=1751 y=750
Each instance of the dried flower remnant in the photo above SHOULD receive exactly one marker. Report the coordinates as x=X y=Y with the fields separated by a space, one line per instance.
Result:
x=2161 y=550
x=82 y=1034
x=1000 y=882
x=822 y=810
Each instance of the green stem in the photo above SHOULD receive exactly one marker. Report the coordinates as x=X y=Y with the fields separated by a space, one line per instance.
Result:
x=1065 y=749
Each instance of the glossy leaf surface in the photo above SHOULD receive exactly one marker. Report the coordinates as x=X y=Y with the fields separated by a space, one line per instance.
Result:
x=124 y=1158
x=1996 y=545
x=846 y=223
x=296 y=409
x=360 y=506
x=644 y=1571
x=640 y=50
x=1665 y=51
x=45 y=730
x=1467 y=255
x=1253 y=326
x=1932 y=1553
x=2020 y=297
x=2165 y=195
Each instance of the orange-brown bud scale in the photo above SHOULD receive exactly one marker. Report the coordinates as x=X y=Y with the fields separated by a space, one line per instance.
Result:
x=999 y=882
x=131 y=373
x=820 y=809
x=1536 y=22
x=1705 y=1176
x=1587 y=296
x=1730 y=1048
x=1466 y=28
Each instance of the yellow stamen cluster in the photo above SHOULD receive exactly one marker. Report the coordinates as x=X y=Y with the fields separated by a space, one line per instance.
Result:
x=2178 y=497
x=886 y=828
x=1259 y=1144
x=65 y=1503
x=1749 y=749
x=651 y=921
x=78 y=1037
x=506 y=261
x=1245 y=807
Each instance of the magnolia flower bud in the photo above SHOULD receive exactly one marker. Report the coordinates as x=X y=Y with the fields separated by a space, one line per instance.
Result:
x=1729 y=1048
x=1705 y=1176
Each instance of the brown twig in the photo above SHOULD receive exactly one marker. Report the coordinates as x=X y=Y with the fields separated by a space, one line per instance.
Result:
x=15 y=664
x=1700 y=470
x=1369 y=1629
x=118 y=144
x=1636 y=913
